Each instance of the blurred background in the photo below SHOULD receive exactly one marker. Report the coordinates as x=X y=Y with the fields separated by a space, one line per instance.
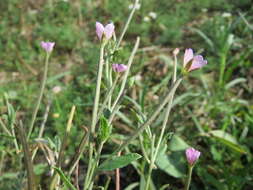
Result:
x=213 y=109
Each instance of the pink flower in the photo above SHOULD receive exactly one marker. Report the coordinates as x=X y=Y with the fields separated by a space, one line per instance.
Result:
x=48 y=46
x=192 y=155
x=119 y=67
x=192 y=62
x=108 y=30
x=176 y=51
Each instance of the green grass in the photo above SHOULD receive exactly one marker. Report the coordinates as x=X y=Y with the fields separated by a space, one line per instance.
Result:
x=218 y=97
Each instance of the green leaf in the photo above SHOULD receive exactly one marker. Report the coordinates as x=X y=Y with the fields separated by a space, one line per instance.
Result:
x=40 y=169
x=177 y=144
x=119 y=162
x=65 y=180
x=132 y=186
x=104 y=130
x=173 y=164
x=228 y=140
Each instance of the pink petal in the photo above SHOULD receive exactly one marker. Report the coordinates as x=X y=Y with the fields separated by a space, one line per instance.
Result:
x=47 y=46
x=99 y=30
x=188 y=56
x=109 y=30
x=198 y=62
x=192 y=155
x=119 y=67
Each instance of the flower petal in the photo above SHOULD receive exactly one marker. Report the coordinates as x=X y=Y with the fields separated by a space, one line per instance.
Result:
x=99 y=30
x=188 y=56
x=192 y=155
x=47 y=46
x=109 y=30
x=119 y=67
x=198 y=62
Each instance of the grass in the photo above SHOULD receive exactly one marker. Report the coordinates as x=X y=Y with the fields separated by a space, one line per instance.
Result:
x=214 y=101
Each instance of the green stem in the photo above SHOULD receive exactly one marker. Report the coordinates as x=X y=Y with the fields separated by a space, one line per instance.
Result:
x=63 y=146
x=42 y=88
x=94 y=114
x=98 y=85
x=151 y=163
x=107 y=96
x=166 y=117
x=95 y=165
x=27 y=159
x=130 y=61
x=149 y=121
x=188 y=182
x=222 y=68
x=127 y=24
x=86 y=181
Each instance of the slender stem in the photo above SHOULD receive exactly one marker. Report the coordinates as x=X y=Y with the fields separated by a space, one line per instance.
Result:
x=151 y=163
x=42 y=88
x=188 y=182
x=65 y=138
x=149 y=178
x=107 y=96
x=78 y=153
x=42 y=127
x=63 y=146
x=222 y=68
x=27 y=158
x=117 y=173
x=166 y=117
x=5 y=128
x=87 y=177
x=95 y=165
x=127 y=23
x=94 y=115
x=167 y=113
x=130 y=61
x=98 y=85
x=150 y=119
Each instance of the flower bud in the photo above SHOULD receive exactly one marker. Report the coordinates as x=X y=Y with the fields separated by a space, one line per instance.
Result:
x=192 y=155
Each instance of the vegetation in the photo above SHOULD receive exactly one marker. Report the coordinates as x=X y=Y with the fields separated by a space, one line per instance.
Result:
x=212 y=109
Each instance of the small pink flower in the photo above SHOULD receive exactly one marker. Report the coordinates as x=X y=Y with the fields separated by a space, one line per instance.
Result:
x=119 y=67
x=108 y=30
x=176 y=51
x=48 y=46
x=192 y=62
x=192 y=155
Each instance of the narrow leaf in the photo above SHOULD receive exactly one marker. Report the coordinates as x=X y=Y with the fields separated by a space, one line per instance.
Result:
x=65 y=180
x=119 y=162
x=228 y=140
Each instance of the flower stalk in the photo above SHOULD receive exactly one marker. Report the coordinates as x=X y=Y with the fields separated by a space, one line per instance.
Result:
x=48 y=47
x=189 y=177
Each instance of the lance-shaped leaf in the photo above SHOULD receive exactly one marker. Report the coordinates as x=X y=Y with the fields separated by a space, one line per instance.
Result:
x=119 y=162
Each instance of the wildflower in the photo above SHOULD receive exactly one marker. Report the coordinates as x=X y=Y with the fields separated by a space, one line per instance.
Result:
x=146 y=19
x=192 y=155
x=119 y=67
x=176 y=51
x=137 y=6
x=192 y=62
x=107 y=31
x=48 y=46
x=153 y=15
x=226 y=15
x=56 y=89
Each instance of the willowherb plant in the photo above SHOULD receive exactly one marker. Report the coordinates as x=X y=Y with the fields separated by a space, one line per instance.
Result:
x=105 y=108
